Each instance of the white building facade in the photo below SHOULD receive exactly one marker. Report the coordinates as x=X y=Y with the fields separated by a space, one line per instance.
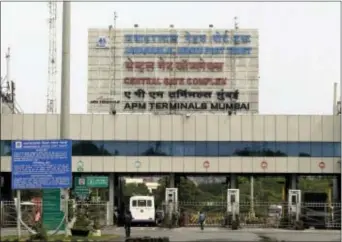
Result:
x=173 y=71
x=215 y=144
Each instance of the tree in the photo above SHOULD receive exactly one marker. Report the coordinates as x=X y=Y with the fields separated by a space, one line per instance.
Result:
x=134 y=189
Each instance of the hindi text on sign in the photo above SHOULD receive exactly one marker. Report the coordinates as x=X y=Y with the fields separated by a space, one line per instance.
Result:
x=183 y=65
x=175 y=81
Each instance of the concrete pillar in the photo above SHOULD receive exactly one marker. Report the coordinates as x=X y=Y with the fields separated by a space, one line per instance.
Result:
x=335 y=190
x=232 y=181
x=111 y=199
x=172 y=180
x=293 y=182
x=339 y=188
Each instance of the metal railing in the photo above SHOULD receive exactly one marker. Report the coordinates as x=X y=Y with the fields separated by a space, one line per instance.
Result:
x=262 y=214
x=103 y=212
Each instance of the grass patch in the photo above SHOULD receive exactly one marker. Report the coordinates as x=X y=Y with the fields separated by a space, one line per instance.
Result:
x=61 y=237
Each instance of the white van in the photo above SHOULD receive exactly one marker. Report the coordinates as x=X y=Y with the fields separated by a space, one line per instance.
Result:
x=142 y=209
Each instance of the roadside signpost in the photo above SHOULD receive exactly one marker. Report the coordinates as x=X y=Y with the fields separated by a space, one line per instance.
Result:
x=80 y=189
x=83 y=185
x=42 y=164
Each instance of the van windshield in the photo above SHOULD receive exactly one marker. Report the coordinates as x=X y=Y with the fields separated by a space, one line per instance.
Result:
x=142 y=203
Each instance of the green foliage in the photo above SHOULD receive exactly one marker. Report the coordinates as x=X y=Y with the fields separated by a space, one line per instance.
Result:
x=94 y=210
x=266 y=189
x=133 y=189
x=41 y=233
x=82 y=221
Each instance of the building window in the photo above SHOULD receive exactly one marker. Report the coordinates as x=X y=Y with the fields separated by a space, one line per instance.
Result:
x=198 y=148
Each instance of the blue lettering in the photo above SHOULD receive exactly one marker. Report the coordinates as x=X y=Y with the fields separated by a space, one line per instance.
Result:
x=236 y=39
x=217 y=37
x=151 y=50
x=225 y=38
x=174 y=38
x=187 y=37
x=208 y=50
x=128 y=50
x=245 y=39
x=181 y=50
x=203 y=38
x=128 y=38
x=220 y=50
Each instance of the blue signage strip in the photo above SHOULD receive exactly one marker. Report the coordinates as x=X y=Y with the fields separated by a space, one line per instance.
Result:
x=192 y=50
x=41 y=164
x=189 y=38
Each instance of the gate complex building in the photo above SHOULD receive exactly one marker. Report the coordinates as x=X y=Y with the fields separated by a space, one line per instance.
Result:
x=175 y=101
x=173 y=70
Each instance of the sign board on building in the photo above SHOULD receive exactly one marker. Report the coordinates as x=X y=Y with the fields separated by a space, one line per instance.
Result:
x=178 y=71
x=41 y=164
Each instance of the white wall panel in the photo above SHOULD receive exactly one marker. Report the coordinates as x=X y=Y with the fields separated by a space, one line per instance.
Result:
x=143 y=127
x=213 y=128
x=269 y=127
x=200 y=128
x=337 y=128
x=165 y=128
x=292 y=128
x=6 y=126
x=132 y=127
x=76 y=126
x=154 y=126
x=18 y=123
x=316 y=128
x=86 y=124
x=40 y=126
x=327 y=128
x=52 y=129
x=97 y=127
x=258 y=128
x=28 y=127
x=190 y=128
x=281 y=128
x=5 y=163
x=108 y=127
x=247 y=128
x=177 y=127
x=120 y=127
x=235 y=128
x=225 y=128
x=304 y=128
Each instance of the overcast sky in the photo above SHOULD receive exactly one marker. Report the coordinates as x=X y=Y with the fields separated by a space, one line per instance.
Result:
x=299 y=46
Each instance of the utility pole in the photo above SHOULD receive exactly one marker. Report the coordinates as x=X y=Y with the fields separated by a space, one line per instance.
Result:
x=65 y=90
x=65 y=80
x=51 y=101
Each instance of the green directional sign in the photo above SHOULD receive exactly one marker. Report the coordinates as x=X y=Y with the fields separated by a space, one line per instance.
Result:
x=52 y=214
x=97 y=181
x=80 y=188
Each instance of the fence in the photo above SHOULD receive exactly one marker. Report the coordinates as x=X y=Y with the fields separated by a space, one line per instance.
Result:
x=256 y=215
x=29 y=211
x=262 y=214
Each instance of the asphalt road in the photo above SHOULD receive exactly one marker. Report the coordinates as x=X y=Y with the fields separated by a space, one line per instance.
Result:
x=221 y=234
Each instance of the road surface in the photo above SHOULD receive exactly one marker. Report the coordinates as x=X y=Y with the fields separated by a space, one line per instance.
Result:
x=220 y=234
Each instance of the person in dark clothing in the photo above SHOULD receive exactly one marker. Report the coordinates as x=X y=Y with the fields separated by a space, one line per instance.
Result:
x=128 y=221
x=201 y=220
